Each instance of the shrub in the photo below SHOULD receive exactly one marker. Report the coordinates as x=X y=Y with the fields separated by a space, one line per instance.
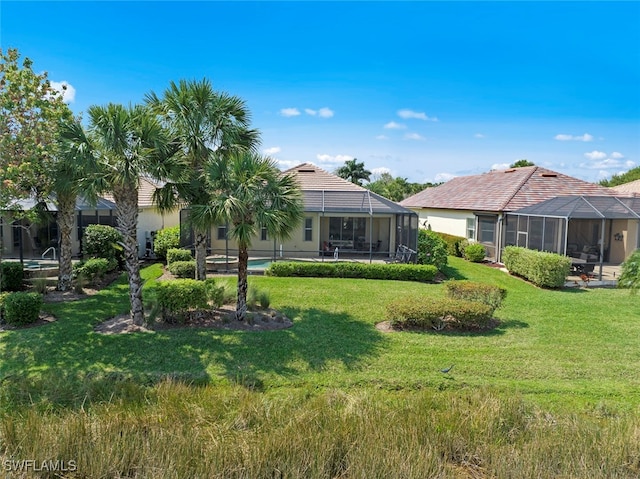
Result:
x=183 y=269
x=166 y=239
x=215 y=293
x=547 y=270
x=474 y=252
x=471 y=291
x=175 y=298
x=92 y=270
x=398 y=272
x=177 y=254
x=3 y=297
x=437 y=313
x=103 y=241
x=22 y=308
x=12 y=276
x=432 y=249
x=630 y=274
x=454 y=243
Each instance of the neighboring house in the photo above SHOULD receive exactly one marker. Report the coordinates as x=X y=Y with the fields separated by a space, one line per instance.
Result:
x=37 y=240
x=475 y=207
x=631 y=188
x=338 y=214
x=34 y=240
x=150 y=219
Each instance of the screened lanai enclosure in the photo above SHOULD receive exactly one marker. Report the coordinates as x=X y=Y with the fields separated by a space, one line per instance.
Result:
x=592 y=230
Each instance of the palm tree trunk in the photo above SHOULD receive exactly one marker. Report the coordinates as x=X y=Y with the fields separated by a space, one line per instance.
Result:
x=66 y=210
x=201 y=254
x=126 y=200
x=241 y=305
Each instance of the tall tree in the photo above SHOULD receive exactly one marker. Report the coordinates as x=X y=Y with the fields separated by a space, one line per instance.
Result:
x=354 y=172
x=396 y=189
x=622 y=178
x=250 y=193
x=30 y=112
x=124 y=143
x=205 y=126
x=522 y=163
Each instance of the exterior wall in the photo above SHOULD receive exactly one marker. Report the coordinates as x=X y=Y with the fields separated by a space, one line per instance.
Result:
x=452 y=222
x=149 y=219
x=632 y=238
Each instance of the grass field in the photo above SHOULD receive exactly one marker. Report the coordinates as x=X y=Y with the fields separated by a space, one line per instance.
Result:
x=553 y=391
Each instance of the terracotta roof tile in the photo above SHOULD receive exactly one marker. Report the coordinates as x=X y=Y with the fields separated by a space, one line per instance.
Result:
x=504 y=190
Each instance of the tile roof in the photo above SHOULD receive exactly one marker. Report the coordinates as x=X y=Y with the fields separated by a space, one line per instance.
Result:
x=326 y=192
x=631 y=188
x=503 y=190
x=146 y=189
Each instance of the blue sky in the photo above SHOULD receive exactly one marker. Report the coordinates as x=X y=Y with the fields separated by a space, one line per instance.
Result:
x=424 y=90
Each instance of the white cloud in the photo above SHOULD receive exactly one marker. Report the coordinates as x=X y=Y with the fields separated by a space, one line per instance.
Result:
x=499 y=166
x=479 y=135
x=596 y=155
x=414 y=136
x=442 y=177
x=311 y=112
x=67 y=90
x=630 y=164
x=325 y=112
x=392 y=125
x=286 y=164
x=377 y=172
x=409 y=114
x=288 y=112
x=382 y=137
x=586 y=137
x=333 y=160
x=617 y=155
x=272 y=151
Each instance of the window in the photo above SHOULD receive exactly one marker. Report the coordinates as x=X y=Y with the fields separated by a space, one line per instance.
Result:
x=471 y=228
x=263 y=233
x=222 y=232
x=308 y=229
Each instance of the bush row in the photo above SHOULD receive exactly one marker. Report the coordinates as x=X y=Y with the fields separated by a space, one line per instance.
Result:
x=20 y=308
x=12 y=276
x=548 y=270
x=468 y=305
x=178 y=254
x=175 y=298
x=455 y=244
x=183 y=269
x=400 y=272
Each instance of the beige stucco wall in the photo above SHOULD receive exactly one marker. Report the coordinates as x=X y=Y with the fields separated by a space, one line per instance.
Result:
x=452 y=222
x=149 y=219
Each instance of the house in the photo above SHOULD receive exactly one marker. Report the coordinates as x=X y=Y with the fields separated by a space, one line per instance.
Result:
x=23 y=239
x=337 y=215
x=476 y=207
x=629 y=189
x=150 y=219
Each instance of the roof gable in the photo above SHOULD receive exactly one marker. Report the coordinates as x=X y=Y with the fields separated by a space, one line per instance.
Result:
x=503 y=190
x=312 y=177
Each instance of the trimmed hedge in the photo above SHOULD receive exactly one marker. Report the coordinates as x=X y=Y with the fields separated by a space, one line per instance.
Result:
x=165 y=240
x=455 y=244
x=178 y=296
x=183 y=269
x=22 y=308
x=437 y=313
x=480 y=292
x=474 y=252
x=177 y=254
x=93 y=269
x=399 y=272
x=547 y=270
x=12 y=276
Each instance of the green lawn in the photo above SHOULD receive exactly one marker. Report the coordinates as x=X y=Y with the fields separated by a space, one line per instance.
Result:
x=574 y=349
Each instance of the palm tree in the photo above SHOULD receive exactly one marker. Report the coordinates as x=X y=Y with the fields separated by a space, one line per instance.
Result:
x=127 y=143
x=205 y=125
x=71 y=168
x=250 y=193
x=354 y=172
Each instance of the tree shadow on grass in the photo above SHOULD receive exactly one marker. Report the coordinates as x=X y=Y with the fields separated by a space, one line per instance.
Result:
x=68 y=354
x=452 y=273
